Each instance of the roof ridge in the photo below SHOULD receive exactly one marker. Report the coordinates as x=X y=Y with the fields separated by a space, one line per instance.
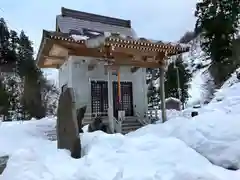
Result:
x=95 y=17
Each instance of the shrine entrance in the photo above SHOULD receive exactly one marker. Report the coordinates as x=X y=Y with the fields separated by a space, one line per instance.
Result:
x=99 y=98
x=126 y=99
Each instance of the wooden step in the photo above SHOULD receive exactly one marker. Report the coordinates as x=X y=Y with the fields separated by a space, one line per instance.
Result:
x=88 y=120
x=129 y=129
x=131 y=124
x=51 y=135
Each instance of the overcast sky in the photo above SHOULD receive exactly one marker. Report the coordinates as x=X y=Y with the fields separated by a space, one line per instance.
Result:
x=165 y=20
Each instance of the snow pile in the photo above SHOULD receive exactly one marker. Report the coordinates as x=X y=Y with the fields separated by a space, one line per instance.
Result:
x=156 y=115
x=214 y=133
x=182 y=148
x=229 y=87
x=79 y=37
x=210 y=134
x=217 y=139
x=121 y=157
x=232 y=80
x=24 y=134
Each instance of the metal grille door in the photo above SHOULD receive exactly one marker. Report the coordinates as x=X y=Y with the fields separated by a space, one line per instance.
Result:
x=126 y=103
x=99 y=94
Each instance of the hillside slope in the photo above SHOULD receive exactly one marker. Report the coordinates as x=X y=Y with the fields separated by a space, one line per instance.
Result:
x=198 y=64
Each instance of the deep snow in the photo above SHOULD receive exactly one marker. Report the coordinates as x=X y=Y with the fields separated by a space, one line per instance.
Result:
x=182 y=148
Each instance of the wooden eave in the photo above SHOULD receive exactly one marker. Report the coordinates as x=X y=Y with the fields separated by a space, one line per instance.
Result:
x=145 y=45
x=49 y=41
x=116 y=51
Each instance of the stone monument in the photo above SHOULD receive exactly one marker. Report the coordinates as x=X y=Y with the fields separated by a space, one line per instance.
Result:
x=67 y=125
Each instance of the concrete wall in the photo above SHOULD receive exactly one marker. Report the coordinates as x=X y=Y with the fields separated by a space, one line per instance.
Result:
x=75 y=73
x=63 y=75
x=140 y=91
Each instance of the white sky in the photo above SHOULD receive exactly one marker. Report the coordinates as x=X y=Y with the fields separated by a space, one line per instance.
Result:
x=165 y=20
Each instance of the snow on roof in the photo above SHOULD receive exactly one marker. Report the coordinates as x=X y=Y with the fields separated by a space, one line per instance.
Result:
x=172 y=99
x=79 y=37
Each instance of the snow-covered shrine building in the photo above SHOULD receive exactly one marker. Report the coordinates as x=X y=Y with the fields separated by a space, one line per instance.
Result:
x=105 y=63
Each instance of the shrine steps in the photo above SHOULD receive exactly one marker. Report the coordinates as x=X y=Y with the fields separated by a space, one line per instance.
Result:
x=131 y=123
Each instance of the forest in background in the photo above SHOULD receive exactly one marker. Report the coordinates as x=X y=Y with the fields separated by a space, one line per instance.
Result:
x=24 y=92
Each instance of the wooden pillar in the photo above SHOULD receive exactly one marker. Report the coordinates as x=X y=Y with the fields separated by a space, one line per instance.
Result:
x=179 y=90
x=162 y=95
x=119 y=86
x=110 y=102
x=108 y=55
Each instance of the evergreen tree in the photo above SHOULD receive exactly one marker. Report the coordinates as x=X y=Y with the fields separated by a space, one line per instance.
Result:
x=218 y=21
x=171 y=83
x=7 y=54
x=32 y=99
x=151 y=94
x=13 y=44
x=25 y=62
x=23 y=89
x=4 y=100
x=187 y=37
x=4 y=43
x=50 y=96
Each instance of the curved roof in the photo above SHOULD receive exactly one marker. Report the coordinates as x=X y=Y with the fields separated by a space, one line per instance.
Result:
x=122 y=50
x=85 y=34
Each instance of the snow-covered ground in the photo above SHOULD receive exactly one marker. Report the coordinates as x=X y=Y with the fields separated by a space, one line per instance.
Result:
x=183 y=148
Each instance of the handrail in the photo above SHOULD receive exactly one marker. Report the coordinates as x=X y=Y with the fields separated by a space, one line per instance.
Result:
x=117 y=125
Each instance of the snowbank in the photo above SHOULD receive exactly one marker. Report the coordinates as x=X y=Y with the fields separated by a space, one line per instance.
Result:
x=116 y=157
x=214 y=133
x=24 y=134
x=180 y=149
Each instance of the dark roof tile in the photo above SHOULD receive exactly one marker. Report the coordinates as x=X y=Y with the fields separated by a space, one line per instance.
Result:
x=67 y=24
x=95 y=18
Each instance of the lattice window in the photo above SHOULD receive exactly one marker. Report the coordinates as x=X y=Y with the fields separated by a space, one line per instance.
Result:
x=99 y=93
